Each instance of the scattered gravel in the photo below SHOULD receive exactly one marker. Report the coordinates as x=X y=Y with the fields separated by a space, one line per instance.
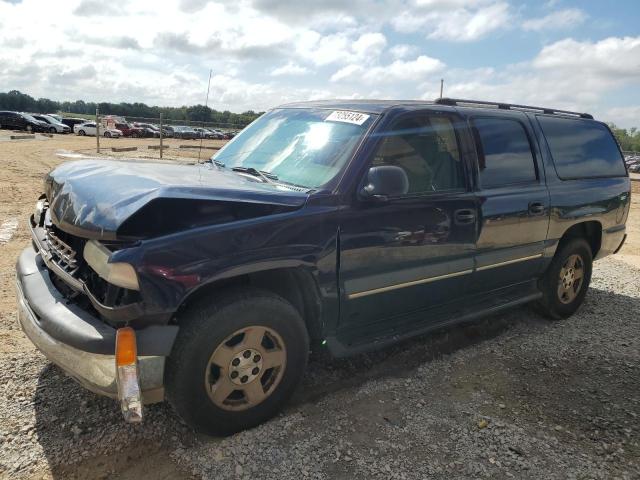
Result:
x=513 y=396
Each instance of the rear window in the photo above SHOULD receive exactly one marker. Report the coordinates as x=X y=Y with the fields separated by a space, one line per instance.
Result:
x=504 y=152
x=582 y=148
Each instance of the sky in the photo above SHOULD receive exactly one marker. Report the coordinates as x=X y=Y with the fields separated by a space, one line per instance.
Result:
x=582 y=56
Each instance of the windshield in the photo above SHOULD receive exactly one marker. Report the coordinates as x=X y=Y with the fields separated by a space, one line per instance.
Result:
x=29 y=117
x=306 y=147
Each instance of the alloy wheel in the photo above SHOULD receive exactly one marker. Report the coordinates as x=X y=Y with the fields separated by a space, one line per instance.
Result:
x=571 y=278
x=245 y=368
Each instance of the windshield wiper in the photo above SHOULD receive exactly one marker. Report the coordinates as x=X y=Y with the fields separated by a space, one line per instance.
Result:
x=267 y=177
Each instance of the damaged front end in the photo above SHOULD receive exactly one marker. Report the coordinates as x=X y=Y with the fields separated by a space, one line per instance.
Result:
x=80 y=298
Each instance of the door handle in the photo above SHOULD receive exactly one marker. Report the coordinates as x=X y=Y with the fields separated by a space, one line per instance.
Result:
x=536 y=208
x=465 y=216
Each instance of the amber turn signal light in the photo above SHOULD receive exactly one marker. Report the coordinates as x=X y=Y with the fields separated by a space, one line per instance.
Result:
x=126 y=351
x=127 y=375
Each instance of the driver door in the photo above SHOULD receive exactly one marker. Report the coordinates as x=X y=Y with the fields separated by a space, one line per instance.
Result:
x=415 y=251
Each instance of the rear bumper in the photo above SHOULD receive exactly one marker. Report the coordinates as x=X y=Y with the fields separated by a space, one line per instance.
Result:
x=82 y=345
x=612 y=240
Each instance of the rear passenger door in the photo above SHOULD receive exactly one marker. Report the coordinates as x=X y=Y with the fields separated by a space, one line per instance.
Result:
x=513 y=198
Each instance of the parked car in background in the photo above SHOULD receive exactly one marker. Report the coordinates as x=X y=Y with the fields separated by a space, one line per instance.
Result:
x=90 y=129
x=203 y=133
x=168 y=131
x=56 y=116
x=21 y=121
x=129 y=130
x=148 y=129
x=73 y=121
x=185 y=133
x=215 y=134
x=54 y=125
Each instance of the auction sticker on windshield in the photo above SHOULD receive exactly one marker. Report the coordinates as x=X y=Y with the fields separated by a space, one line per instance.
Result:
x=356 y=118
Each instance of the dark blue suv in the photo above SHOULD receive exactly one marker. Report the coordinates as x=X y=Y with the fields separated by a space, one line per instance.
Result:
x=344 y=225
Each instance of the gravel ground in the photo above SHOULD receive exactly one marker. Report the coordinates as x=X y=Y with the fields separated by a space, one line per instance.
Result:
x=512 y=396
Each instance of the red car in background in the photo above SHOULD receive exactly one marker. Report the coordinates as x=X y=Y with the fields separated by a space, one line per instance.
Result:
x=129 y=130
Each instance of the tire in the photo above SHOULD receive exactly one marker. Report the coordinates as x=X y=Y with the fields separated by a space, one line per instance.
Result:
x=53 y=130
x=29 y=129
x=81 y=133
x=217 y=340
x=573 y=258
x=107 y=135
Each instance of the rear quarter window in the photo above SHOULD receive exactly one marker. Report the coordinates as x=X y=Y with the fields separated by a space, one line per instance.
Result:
x=504 y=152
x=582 y=148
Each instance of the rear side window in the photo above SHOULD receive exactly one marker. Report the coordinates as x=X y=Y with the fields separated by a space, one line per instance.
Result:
x=504 y=152
x=582 y=148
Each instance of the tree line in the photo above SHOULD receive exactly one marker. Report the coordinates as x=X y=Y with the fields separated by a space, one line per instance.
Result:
x=629 y=139
x=21 y=102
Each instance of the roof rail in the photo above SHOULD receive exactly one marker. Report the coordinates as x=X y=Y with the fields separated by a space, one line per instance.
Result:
x=509 y=106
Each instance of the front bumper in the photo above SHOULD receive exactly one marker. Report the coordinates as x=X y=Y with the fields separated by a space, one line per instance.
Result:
x=82 y=345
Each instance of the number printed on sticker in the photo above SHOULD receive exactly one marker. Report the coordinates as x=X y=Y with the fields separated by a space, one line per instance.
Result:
x=356 y=118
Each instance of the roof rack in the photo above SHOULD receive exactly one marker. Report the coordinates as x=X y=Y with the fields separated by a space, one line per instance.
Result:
x=509 y=106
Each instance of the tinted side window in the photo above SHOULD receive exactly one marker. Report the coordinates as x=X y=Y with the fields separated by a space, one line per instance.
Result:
x=504 y=152
x=582 y=148
x=426 y=148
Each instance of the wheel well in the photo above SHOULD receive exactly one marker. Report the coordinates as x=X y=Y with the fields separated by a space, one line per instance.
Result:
x=591 y=231
x=295 y=285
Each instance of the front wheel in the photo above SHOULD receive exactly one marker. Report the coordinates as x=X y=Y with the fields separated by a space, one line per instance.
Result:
x=107 y=134
x=82 y=133
x=52 y=130
x=566 y=281
x=237 y=359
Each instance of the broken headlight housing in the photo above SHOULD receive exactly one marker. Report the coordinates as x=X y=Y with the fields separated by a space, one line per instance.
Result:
x=120 y=274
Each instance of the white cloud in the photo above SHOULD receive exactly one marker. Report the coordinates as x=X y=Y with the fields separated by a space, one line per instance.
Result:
x=561 y=19
x=613 y=59
x=461 y=22
x=289 y=69
x=566 y=74
x=343 y=47
x=402 y=50
x=369 y=45
x=623 y=116
x=399 y=71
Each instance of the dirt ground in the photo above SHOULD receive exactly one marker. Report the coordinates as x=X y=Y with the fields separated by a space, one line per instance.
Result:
x=152 y=453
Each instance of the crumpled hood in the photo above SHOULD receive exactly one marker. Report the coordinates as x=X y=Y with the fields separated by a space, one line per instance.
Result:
x=94 y=198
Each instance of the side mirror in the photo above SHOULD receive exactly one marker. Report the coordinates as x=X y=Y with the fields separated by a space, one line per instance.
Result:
x=385 y=181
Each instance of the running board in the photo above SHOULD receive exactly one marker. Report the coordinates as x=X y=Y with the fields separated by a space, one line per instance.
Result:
x=339 y=349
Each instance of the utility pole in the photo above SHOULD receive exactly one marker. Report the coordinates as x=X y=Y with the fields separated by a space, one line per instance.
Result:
x=206 y=104
x=441 y=86
x=160 y=134
x=97 y=130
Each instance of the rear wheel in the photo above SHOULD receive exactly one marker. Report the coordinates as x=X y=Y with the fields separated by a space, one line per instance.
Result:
x=566 y=281
x=237 y=359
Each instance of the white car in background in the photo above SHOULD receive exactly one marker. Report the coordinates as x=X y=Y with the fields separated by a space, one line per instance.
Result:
x=89 y=128
x=56 y=116
x=54 y=126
